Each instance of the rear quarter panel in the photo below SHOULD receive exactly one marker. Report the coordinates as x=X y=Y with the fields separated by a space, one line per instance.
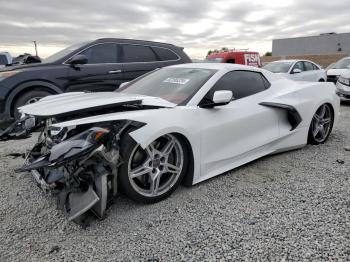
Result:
x=312 y=96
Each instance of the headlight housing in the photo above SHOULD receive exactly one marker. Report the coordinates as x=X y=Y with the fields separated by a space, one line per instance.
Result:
x=78 y=144
x=75 y=147
x=7 y=74
x=344 y=81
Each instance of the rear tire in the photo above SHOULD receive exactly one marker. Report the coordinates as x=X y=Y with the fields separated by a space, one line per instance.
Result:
x=321 y=125
x=171 y=165
x=28 y=98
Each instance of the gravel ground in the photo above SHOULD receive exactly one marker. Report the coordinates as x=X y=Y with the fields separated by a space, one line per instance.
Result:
x=291 y=206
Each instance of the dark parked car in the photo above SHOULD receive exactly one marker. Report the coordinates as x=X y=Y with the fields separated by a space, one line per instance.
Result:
x=100 y=65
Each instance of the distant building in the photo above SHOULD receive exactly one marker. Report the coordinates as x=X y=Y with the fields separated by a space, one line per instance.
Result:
x=323 y=44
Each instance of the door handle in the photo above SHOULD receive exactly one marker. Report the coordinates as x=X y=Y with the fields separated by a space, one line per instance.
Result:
x=114 y=72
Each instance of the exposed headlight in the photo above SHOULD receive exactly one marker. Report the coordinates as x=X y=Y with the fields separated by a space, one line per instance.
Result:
x=73 y=148
x=7 y=74
x=78 y=144
x=344 y=81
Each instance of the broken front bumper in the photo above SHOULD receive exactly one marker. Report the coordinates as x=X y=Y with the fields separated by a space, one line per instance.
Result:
x=80 y=172
x=40 y=181
x=76 y=202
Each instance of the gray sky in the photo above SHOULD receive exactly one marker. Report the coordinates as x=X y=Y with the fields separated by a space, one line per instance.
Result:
x=197 y=25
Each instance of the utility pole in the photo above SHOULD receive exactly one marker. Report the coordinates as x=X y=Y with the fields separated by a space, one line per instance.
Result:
x=36 y=49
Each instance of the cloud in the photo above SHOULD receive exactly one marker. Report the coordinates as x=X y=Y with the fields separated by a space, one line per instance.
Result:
x=197 y=25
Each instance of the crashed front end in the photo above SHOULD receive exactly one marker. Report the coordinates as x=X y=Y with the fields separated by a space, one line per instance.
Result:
x=78 y=162
x=79 y=165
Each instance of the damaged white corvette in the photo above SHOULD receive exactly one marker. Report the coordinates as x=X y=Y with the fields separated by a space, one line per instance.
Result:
x=181 y=123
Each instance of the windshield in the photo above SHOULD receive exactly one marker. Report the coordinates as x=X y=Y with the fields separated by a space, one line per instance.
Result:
x=213 y=60
x=63 y=53
x=278 y=67
x=175 y=85
x=342 y=64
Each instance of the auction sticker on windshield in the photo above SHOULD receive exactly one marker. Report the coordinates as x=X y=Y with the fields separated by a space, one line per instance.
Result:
x=179 y=81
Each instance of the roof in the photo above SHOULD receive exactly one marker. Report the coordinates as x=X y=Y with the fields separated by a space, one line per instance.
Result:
x=132 y=40
x=217 y=66
x=293 y=60
x=288 y=60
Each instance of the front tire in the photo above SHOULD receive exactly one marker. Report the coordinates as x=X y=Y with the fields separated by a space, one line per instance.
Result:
x=321 y=125
x=150 y=175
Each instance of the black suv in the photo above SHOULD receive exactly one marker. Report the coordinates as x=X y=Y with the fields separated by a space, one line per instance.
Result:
x=101 y=65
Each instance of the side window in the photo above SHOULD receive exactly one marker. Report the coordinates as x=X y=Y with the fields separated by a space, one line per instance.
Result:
x=315 y=67
x=241 y=83
x=137 y=53
x=299 y=65
x=102 y=53
x=308 y=66
x=165 y=54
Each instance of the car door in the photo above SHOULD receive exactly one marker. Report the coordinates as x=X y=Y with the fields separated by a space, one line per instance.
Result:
x=235 y=132
x=138 y=60
x=310 y=74
x=298 y=76
x=102 y=72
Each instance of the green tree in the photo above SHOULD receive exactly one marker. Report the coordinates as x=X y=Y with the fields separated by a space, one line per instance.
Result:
x=268 y=54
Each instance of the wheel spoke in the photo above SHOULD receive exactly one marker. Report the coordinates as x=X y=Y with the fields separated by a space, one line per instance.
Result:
x=155 y=183
x=150 y=150
x=172 y=168
x=140 y=171
x=322 y=132
x=317 y=118
x=168 y=147
x=322 y=111
x=326 y=120
x=316 y=130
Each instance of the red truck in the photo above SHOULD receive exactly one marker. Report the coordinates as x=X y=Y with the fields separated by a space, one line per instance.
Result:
x=248 y=58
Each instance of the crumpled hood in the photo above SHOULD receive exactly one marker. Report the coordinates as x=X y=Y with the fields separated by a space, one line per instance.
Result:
x=74 y=102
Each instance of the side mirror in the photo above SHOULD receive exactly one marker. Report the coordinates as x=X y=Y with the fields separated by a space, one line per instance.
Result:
x=78 y=60
x=220 y=98
x=296 y=71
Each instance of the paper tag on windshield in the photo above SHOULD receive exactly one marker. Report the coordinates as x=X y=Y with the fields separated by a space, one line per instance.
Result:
x=179 y=81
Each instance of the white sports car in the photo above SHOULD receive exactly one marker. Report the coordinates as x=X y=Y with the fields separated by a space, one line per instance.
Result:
x=184 y=123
